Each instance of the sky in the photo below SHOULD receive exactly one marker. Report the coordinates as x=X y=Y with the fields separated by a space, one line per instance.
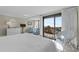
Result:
x=50 y=21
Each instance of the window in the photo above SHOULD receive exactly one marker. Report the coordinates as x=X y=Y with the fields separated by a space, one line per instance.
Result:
x=52 y=25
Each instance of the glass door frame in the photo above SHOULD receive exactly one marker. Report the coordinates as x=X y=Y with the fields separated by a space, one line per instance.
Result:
x=54 y=15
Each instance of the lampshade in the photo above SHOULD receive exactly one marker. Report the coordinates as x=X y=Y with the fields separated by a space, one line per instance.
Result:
x=23 y=25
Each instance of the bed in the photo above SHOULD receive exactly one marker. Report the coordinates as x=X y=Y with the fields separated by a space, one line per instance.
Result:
x=26 y=43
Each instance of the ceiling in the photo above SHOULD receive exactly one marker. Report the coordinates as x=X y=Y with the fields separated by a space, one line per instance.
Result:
x=27 y=11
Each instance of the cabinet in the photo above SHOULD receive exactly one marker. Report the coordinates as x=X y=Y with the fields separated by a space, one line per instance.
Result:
x=13 y=31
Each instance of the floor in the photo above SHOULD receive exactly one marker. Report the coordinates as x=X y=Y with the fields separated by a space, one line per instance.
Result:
x=32 y=43
x=26 y=43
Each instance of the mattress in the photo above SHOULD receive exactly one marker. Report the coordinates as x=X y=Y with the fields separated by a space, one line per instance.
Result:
x=26 y=43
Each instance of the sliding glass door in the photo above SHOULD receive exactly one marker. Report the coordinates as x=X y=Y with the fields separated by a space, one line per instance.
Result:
x=49 y=27
x=52 y=25
x=58 y=25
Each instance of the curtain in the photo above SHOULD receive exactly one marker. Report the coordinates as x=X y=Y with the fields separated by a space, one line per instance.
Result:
x=69 y=17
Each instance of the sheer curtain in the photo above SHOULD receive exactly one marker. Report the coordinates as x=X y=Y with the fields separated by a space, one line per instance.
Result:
x=69 y=21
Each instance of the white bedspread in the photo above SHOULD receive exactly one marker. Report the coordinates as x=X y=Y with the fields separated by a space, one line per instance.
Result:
x=26 y=43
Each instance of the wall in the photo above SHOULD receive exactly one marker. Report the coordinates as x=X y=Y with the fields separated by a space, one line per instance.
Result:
x=78 y=29
x=5 y=19
x=41 y=26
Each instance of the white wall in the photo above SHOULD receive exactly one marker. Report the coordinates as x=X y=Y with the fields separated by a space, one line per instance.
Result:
x=41 y=26
x=78 y=29
x=5 y=19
